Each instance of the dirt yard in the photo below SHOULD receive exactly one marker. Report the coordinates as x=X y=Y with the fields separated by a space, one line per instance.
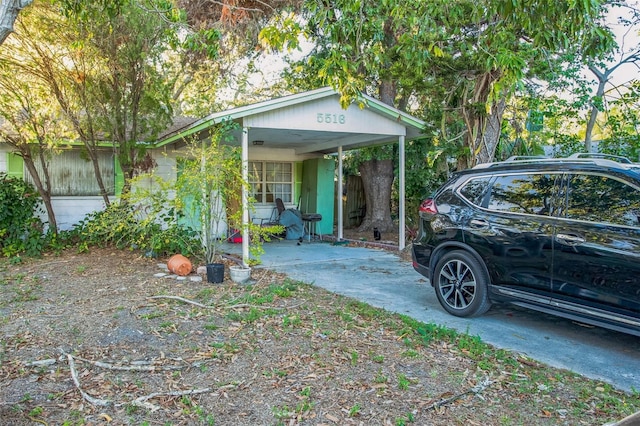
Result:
x=97 y=338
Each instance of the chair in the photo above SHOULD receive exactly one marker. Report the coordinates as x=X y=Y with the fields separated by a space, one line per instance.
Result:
x=275 y=214
x=275 y=217
x=279 y=206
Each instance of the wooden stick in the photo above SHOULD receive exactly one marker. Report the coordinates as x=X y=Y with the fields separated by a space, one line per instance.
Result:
x=143 y=400
x=474 y=390
x=86 y=396
x=182 y=299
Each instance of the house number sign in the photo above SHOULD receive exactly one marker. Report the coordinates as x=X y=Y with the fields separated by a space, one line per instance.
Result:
x=331 y=118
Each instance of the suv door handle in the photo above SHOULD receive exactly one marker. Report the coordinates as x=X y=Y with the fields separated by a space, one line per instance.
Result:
x=479 y=223
x=571 y=240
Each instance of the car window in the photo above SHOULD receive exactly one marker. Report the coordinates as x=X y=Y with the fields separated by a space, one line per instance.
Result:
x=475 y=190
x=603 y=199
x=528 y=193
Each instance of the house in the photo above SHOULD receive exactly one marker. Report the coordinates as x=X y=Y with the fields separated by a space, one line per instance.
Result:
x=285 y=143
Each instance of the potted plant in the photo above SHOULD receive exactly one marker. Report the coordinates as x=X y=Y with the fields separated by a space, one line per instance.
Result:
x=201 y=185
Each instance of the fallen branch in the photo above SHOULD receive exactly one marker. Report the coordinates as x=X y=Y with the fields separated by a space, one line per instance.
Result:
x=237 y=306
x=86 y=396
x=474 y=390
x=182 y=299
x=149 y=368
x=142 y=401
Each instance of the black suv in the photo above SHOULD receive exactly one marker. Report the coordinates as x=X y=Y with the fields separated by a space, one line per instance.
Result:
x=561 y=236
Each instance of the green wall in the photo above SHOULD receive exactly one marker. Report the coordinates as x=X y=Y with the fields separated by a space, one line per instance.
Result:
x=15 y=165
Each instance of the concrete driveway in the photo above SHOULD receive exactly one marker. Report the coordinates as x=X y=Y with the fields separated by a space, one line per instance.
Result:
x=380 y=278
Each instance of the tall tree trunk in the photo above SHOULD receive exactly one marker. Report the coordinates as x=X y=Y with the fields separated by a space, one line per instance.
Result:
x=489 y=136
x=483 y=128
x=602 y=77
x=377 y=179
x=44 y=194
x=52 y=79
x=42 y=184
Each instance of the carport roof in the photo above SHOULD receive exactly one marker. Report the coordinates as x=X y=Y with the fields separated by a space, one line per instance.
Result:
x=309 y=122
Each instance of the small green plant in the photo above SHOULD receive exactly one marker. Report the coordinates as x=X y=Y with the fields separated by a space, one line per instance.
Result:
x=354 y=410
x=167 y=324
x=345 y=316
x=152 y=315
x=37 y=411
x=471 y=345
x=25 y=292
x=354 y=358
x=380 y=377
x=305 y=403
x=286 y=289
x=403 y=382
x=282 y=413
x=402 y=421
x=365 y=310
x=291 y=321
x=131 y=409
x=411 y=353
x=276 y=373
x=250 y=316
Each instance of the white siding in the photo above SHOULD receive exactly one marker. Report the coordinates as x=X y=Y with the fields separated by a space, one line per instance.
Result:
x=326 y=115
x=71 y=210
x=4 y=149
x=262 y=153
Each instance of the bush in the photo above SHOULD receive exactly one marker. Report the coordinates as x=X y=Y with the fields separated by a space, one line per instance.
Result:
x=20 y=227
x=124 y=226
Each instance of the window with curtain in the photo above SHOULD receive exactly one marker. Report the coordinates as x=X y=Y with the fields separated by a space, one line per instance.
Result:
x=72 y=173
x=271 y=180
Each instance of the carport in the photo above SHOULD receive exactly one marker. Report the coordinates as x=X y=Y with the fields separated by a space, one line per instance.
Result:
x=312 y=122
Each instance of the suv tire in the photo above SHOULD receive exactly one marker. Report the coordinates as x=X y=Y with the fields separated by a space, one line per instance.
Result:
x=460 y=281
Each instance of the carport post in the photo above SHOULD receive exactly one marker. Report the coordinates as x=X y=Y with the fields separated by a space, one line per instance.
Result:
x=401 y=194
x=245 y=197
x=339 y=194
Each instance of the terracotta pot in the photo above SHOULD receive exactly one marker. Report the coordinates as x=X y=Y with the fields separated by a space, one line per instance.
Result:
x=179 y=265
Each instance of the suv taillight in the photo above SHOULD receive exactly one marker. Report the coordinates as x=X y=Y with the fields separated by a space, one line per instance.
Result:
x=428 y=206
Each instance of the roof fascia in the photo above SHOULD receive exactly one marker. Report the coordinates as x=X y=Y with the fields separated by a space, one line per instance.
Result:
x=247 y=110
x=283 y=102
x=392 y=112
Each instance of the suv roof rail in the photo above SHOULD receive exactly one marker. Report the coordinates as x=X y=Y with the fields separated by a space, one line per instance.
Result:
x=526 y=157
x=572 y=159
x=598 y=155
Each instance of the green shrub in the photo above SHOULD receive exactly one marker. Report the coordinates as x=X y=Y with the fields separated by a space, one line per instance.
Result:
x=20 y=227
x=124 y=225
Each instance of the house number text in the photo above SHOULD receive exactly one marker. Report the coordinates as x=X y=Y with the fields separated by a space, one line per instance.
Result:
x=331 y=118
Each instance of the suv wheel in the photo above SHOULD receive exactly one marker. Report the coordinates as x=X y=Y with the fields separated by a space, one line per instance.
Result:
x=461 y=284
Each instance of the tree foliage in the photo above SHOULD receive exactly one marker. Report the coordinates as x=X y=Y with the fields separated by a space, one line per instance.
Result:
x=455 y=63
x=130 y=100
x=464 y=55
